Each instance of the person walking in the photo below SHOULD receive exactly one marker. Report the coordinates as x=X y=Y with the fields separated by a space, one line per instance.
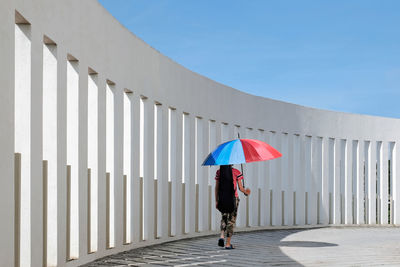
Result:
x=228 y=179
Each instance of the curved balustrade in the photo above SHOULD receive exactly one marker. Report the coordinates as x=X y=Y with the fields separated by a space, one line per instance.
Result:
x=102 y=139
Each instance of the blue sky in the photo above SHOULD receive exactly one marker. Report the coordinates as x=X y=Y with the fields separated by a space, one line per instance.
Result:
x=341 y=55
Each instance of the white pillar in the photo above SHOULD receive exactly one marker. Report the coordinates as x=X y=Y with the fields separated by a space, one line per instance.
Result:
x=73 y=152
x=163 y=173
x=309 y=180
x=396 y=181
x=285 y=178
x=348 y=182
x=50 y=144
x=7 y=134
x=289 y=182
x=265 y=186
x=316 y=177
x=61 y=155
x=213 y=145
x=190 y=183
x=161 y=144
x=384 y=175
x=324 y=208
x=135 y=186
x=360 y=183
x=176 y=124
x=82 y=157
x=110 y=159
x=337 y=184
x=204 y=182
x=23 y=133
x=93 y=158
x=118 y=165
x=288 y=187
x=200 y=177
x=127 y=163
x=186 y=168
x=300 y=182
x=372 y=182
x=276 y=177
x=148 y=170
x=36 y=201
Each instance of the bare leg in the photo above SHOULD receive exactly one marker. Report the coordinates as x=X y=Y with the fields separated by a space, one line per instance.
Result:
x=222 y=234
x=228 y=241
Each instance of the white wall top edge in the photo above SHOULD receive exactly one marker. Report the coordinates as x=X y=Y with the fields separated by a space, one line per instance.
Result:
x=87 y=31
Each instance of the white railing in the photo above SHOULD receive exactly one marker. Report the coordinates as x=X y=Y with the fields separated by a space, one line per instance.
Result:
x=102 y=140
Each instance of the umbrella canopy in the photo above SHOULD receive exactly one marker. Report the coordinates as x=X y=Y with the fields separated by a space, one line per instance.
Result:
x=241 y=151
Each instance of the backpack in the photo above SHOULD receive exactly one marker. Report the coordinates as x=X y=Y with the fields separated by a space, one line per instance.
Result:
x=226 y=191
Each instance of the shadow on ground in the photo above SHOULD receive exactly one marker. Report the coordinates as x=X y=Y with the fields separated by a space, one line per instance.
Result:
x=260 y=248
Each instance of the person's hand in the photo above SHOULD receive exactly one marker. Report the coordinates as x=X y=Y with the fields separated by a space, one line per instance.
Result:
x=247 y=191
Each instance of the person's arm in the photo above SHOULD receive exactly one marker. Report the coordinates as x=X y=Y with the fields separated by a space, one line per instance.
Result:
x=245 y=191
x=216 y=192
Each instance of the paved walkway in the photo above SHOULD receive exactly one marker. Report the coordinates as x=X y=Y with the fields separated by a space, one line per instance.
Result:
x=353 y=246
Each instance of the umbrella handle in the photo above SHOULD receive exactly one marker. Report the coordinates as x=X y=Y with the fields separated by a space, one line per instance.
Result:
x=241 y=165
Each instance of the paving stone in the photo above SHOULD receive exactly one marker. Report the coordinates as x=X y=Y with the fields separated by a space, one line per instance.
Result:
x=353 y=246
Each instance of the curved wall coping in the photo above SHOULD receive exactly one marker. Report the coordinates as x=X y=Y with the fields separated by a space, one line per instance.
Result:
x=93 y=36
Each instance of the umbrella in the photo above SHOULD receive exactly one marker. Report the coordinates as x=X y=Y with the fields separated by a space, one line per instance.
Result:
x=240 y=151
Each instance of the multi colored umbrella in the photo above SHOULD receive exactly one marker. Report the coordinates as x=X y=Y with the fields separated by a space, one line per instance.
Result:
x=241 y=151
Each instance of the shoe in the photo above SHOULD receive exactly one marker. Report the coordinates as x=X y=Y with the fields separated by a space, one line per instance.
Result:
x=230 y=247
x=221 y=242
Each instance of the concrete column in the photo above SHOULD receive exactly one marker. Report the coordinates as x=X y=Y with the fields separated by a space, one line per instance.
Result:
x=331 y=179
x=101 y=189
x=127 y=163
x=161 y=141
x=148 y=170
x=73 y=152
x=251 y=179
x=372 y=182
x=118 y=165
x=61 y=155
x=360 y=183
x=23 y=88
x=83 y=159
x=316 y=178
x=276 y=177
x=285 y=177
x=179 y=174
x=383 y=176
x=337 y=184
x=396 y=181
x=264 y=185
x=36 y=201
x=289 y=183
x=7 y=133
x=324 y=207
x=309 y=180
x=110 y=160
x=162 y=135
x=50 y=144
x=176 y=124
x=93 y=156
x=218 y=141
x=348 y=182
x=200 y=179
x=204 y=179
x=212 y=170
x=191 y=185
x=298 y=180
x=186 y=168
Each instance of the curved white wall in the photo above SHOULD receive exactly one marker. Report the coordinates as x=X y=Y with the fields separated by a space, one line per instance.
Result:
x=120 y=107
